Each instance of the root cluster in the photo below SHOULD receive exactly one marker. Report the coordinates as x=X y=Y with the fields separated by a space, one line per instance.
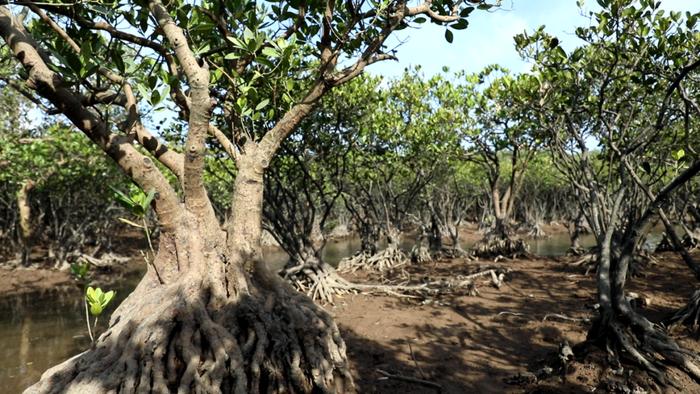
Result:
x=665 y=245
x=420 y=255
x=319 y=281
x=491 y=247
x=587 y=261
x=387 y=259
x=449 y=253
x=689 y=315
x=182 y=338
x=641 y=342
x=536 y=231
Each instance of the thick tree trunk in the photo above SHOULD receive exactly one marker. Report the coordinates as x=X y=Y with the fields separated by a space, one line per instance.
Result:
x=420 y=253
x=369 y=238
x=26 y=230
x=435 y=235
x=500 y=229
x=619 y=330
x=221 y=322
x=575 y=235
x=498 y=242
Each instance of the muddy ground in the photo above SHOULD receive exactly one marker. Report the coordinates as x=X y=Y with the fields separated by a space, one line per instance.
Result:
x=490 y=343
x=493 y=342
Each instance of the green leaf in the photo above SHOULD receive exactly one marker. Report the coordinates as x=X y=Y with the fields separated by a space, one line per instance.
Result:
x=262 y=105
x=91 y=295
x=270 y=52
x=466 y=11
x=449 y=36
x=123 y=199
x=248 y=35
x=108 y=297
x=145 y=93
x=460 y=24
x=147 y=201
x=678 y=155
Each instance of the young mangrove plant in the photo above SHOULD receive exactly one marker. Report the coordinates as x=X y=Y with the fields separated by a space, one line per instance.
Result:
x=96 y=301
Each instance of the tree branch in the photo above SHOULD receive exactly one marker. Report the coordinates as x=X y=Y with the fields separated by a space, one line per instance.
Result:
x=196 y=198
x=48 y=85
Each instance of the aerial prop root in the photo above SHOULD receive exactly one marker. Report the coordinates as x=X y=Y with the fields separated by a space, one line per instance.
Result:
x=322 y=282
x=385 y=260
x=420 y=255
x=642 y=343
x=501 y=246
x=689 y=315
x=536 y=231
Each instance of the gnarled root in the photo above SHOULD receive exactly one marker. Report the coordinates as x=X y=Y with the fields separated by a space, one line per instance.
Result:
x=322 y=282
x=575 y=251
x=640 y=342
x=691 y=241
x=494 y=276
x=689 y=315
x=588 y=261
x=387 y=259
x=420 y=255
x=665 y=245
x=187 y=337
x=450 y=252
x=318 y=280
x=491 y=247
x=536 y=231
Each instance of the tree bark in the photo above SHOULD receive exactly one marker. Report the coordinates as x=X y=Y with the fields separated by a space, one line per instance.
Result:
x=26 y=229
x=216 y=324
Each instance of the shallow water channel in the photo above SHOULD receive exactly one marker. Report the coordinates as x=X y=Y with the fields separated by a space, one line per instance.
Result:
x=41 y=329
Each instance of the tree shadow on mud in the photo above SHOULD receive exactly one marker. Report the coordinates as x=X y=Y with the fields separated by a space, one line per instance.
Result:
x=471 y=344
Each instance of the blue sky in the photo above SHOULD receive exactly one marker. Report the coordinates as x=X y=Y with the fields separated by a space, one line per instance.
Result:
x=489 y=37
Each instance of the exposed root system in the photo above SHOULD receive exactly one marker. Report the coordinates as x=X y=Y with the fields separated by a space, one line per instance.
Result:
x=689 y=315
x=491 y=247
x=183 y=338
x=420 y=255
x=587 y=261
x=322 y=282
x=536 y=231
x=449 y=253
x=642 y=343
x=319 y=281
x=388 y=259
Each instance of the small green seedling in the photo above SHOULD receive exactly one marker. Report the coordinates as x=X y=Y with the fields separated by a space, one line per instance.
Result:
x=96 y=301
x=137 y=202
x=79 y=271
